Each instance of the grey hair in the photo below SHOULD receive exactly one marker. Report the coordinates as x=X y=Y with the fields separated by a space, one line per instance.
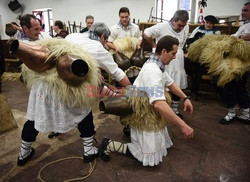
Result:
x=100 y=28
x=181 y=15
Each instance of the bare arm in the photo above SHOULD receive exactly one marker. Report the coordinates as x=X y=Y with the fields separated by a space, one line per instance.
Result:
x=16 y=27
x=112 y=46
x=164 y=109
x=125 y=81
x=177 y=91
x=245 y=37
x=139 y=44
x=150 y=40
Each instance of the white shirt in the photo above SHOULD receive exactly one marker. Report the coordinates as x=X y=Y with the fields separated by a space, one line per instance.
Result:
x=161 y=29
x=98 y=52
x=25 y=39
x=151 y=77
x=243 y=30
x=121 y=32
x=176 y=67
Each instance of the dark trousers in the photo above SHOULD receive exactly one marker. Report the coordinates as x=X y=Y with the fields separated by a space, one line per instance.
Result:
x=235 y=92
x=195 y=70
x=86 y=128
x=175 y=97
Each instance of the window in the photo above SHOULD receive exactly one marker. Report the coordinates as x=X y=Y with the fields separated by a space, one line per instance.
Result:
x=165 y=9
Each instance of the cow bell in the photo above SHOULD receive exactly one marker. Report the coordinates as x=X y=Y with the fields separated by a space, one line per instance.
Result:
x=71 y=70
x=34 y=56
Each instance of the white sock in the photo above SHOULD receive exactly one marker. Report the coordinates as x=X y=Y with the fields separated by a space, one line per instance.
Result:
x=88 y=147
x=114 y=146
x=231 y=113
x=244 y=114
x=25 y=150
x=174 y=106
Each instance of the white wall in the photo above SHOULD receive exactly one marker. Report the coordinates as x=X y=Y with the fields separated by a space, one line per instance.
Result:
x=6 y=16
x=224 y=7
x=105 y=10
x=76 y=10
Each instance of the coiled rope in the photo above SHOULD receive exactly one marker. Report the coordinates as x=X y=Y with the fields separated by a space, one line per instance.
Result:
x=91 y=168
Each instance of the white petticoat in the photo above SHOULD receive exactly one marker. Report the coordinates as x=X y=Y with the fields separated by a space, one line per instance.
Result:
x=176 y=70
x=149 y=147
x=50 y=114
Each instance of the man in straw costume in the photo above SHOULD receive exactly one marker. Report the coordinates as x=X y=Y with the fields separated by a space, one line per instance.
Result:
x=149 y=134
x=90 y=42
x=235 y=92
x=227 y=57
x=57 y=73
x=193 y=69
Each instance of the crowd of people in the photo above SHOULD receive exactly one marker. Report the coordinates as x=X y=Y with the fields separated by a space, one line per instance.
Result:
x=166 y=69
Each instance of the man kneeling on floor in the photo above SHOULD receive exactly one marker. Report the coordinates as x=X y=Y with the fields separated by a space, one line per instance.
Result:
x=149 y=144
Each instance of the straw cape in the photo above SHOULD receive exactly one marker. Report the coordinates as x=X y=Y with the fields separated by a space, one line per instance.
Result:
x=225 y=56
x=70 y=95
x=126 y=45
x=9 y=76
x=144 y=117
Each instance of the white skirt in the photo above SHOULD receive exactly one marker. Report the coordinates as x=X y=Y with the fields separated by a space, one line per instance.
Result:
x=51 y=114
x=149 y=147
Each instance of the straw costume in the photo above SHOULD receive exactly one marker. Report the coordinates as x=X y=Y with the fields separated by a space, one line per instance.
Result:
x=150 y=110
x=227 y=57
x=58 y=99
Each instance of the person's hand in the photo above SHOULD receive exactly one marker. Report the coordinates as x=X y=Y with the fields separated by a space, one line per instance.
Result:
x=117 y=49
x=102 y=78
x=187 y=131
x=245 y=37
x=16 y=27
x=138 y=47
x=188 y=107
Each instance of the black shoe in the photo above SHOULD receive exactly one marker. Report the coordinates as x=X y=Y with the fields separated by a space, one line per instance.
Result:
x=53 y=134
x=21 y=162
x=126 y=131
x=180 y=115
x=90 y=158
x=227 y=120
x=104 y=144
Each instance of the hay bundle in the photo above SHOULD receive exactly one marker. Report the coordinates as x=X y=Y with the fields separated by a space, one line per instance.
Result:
x=126 y=45
x=9 y=76
x=7 y=120
x=226 y=56
x=144 y=116
x=70 y=95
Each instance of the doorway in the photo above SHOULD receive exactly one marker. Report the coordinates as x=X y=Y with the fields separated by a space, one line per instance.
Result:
x=46 y=17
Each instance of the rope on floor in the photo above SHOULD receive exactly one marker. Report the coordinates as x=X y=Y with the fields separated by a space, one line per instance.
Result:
x=91 y=168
